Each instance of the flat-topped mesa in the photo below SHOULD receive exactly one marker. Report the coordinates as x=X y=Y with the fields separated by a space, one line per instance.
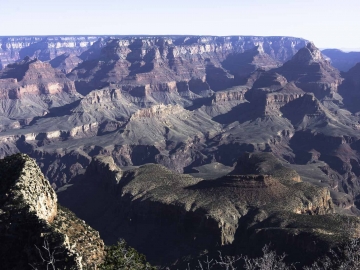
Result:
x=250 y=181
x=158 y=111
x=148 y=89
x=164 y=87
x=24 y=184
x=33 y=77
x=278 y=99
x=227 y=96
x=102 y=96
x=262 y=83
x=271 y=91
x=264 y=164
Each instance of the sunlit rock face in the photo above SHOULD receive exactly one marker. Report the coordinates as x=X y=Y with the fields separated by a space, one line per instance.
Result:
x=13 y=49
x=184 y=102
x=219 y=62
x=29 y=88
x=30 y=216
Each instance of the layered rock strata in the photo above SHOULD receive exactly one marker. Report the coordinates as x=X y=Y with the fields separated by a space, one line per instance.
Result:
x=185 y=215
x=179 y=102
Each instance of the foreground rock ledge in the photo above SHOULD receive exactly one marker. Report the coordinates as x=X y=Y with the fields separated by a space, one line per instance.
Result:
x=31 y=217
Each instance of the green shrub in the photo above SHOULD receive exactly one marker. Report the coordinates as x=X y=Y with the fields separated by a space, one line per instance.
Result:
x=121 y=256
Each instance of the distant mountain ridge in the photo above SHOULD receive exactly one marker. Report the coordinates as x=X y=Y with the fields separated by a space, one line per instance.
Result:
x=342 y=60
x=46 y=48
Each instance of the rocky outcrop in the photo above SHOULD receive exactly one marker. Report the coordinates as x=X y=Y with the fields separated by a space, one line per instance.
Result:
x=104 y=165
x=151 y=203
x=33 y=77
x=222 y=97
x=157 y=60
x=30 y=188
x=243 y=64
x=271 y=91
x=30 y=88
x=176 y=101
x=321 y=78
x=158 y=111
x=30 y=217
x=65 y=62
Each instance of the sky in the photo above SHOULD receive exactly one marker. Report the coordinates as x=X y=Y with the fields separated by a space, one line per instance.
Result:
x=328 y=23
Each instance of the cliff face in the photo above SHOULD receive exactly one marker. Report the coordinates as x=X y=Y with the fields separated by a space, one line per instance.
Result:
x=151 y=203
x=156 y=60
x=44 y=48
x=65 y=62
x=33 y=77
x=185 y=102
x=322 y=79
x=48 y=48
x=30 y=88
x=29 y=215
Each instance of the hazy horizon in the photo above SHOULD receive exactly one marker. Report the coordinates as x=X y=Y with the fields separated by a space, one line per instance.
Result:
x=329 y=24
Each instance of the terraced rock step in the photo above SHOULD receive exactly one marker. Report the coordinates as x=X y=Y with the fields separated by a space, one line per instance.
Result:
x=185 y=215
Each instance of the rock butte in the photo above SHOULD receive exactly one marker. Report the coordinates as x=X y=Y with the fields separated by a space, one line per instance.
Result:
x=187 y=104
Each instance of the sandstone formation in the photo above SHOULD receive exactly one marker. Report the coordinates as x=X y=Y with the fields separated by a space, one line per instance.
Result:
x=30 y=217
x=321 y=78
x=93 y=114
x=65 y=62
x=13 y=49
x=189 y=102
x=30 y=88
x=196 y=61
x=259 y=201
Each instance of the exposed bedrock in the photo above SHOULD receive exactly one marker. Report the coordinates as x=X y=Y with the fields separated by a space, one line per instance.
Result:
x=179 y=102
x=13 y=49
x=321 y=78
x=152 y=61
x=33 y=77
x=340 y=153
x=65 y=62
x=30 y=217
x=30 y=88
x=185 y=215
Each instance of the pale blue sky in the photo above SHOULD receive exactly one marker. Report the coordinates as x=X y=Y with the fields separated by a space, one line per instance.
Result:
x=329 y=23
